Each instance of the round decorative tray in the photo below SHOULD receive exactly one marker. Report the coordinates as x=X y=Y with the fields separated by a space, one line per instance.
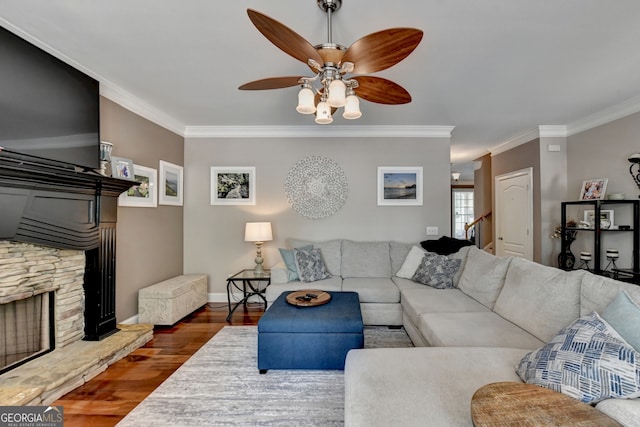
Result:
x=308 y=298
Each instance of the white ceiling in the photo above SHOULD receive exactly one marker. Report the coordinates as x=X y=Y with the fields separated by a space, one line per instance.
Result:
x=492 y=68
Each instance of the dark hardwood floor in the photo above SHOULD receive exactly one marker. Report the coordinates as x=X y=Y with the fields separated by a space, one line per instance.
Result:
x=111 y=395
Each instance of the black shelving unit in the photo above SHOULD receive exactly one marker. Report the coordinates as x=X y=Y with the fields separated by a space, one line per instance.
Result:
x=631 y=274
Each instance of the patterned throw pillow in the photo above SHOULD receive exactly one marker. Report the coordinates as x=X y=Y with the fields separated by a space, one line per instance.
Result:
x=310 y=264
x=436 y=271
x=290 y=262
x=587 y=360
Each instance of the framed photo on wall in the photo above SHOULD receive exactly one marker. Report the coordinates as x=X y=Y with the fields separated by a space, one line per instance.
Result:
x=143 y=195
x=593 y=189
x=231 y=185
x=171 y=184
x=400 y=186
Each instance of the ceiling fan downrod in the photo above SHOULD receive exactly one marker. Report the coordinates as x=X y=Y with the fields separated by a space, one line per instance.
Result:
x=329 y=7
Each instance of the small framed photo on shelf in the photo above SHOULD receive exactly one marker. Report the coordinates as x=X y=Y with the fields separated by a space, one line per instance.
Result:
x=593 y=189
x=143 y=195
x=171 y=184
x=231 y=185
x=400 y=186
x=606 y=218
x=122 y=168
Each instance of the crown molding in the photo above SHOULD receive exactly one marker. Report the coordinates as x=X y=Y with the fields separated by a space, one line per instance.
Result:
x=552 y=131
x=628 y=107
x=513 y=142
x=318 y=131
x=141 y=108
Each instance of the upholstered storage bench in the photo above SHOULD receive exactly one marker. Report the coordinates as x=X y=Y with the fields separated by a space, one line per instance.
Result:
x=291 y=337
x=167 y=302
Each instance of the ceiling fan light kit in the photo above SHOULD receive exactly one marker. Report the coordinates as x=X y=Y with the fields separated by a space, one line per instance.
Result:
x=330 y=88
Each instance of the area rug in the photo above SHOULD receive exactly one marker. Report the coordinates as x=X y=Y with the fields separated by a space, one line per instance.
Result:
x=220 y=386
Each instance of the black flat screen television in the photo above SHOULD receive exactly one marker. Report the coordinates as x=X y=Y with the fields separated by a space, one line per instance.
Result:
x=48 y=109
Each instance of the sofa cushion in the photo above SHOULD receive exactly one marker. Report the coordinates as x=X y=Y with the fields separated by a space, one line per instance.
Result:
x=587 y=360
x=540 y=299
x=483 y=276
x=411 y=263
x=462 y=256
x=365 y=259
x=398 y=252
x=623 y=314
x=597 y=292
x=420 y=386
x=372 y=289
x=331 y=252
x=310 y=265
x=290 y=262
x=624 y=411
x=485 y=329
x=423 y=300
x=436 y=271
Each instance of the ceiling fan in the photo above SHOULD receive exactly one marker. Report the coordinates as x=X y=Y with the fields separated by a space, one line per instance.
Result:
x=338 y=70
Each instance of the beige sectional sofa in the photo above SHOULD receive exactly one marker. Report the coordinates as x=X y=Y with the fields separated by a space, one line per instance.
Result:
x=465 y=337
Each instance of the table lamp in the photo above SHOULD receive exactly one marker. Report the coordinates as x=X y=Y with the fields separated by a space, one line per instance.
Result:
x=258 y=232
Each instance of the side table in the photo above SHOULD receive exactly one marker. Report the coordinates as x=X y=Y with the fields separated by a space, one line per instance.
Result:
x=249 y=283
x=520 y=404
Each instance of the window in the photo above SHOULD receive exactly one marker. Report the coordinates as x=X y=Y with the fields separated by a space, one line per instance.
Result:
x=462 y=210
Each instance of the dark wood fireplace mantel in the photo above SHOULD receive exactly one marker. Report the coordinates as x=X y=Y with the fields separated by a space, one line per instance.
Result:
x=52 y=205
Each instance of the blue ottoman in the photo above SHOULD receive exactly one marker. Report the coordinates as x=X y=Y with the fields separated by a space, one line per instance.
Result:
x=291 y=337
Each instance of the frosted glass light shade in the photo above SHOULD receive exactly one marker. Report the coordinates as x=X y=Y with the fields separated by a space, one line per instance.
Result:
x=352 y=108
x=306 y=103
x=257 y=232
x=337 y=94
x=323 y=113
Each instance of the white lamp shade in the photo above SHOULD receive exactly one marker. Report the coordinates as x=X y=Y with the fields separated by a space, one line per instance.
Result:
x=257 y=232
x=323 y=113
x=306 y=102
x=337 y=93
x=455 y=175
x=352 y=108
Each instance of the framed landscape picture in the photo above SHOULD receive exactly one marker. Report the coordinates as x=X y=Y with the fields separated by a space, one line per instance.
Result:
x=232 y=185
x=171 y=184
x=143 y=195
x=400 y=186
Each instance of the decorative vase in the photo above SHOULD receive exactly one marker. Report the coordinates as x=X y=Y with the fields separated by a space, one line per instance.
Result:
x=566 y=259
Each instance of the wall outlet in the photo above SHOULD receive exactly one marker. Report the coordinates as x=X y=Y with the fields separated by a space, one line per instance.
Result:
x=432 y=231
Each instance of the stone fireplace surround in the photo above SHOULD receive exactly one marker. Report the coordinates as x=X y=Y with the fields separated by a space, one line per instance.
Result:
x=27 y=269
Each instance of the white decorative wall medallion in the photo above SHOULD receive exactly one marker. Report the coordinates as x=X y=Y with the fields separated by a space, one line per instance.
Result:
x=316 y=187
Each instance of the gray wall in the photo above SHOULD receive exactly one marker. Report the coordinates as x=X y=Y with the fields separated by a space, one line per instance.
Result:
x=214 y=235
x=149 y=240
x=602 y=152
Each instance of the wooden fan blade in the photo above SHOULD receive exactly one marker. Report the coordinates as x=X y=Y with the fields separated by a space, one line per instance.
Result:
x=272 y=83
x=379 y=51
x=284 y=38
x=381 y=91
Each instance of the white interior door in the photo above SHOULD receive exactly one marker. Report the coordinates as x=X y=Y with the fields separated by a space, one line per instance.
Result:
x=514 y=214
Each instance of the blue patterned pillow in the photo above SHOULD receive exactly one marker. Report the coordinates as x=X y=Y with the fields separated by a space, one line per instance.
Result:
x=310 y=264
x=290 y=262
x=436 y=271
x=587 y=360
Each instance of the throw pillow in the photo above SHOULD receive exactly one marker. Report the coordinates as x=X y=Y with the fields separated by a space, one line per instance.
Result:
x=436 y=271
x=310 y=265
x=445 y=245
x=411 y=263
x=290 y=262
x=623 y=314
x=587 y=360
